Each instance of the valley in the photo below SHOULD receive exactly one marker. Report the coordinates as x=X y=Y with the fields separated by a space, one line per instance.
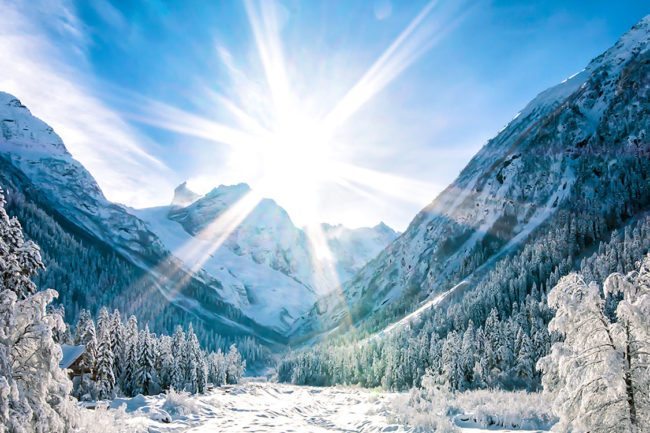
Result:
x=516 y=300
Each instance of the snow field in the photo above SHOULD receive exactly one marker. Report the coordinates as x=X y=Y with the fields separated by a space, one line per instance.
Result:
x=272 y=408
x=257 y=407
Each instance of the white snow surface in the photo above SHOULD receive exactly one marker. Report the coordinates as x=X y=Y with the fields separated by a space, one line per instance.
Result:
x=266 y=407
x=258 y=406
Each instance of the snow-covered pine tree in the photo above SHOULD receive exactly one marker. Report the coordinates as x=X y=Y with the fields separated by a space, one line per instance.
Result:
x=217 y=368
x=235 y=366
x=165 y=365
x=86 y=335
x=104 y=376
x=201 y=373
x=525 y=365
x=33 y=389
x=468 y=352
x=104 y=323
x=81 y=327
x=177 y=379
x=146 y=379
x=452 y=361
x=192 y=353
x=131 y=358
x=117 y=347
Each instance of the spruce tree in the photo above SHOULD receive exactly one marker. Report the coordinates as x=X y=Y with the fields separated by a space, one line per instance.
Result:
x=146 y=374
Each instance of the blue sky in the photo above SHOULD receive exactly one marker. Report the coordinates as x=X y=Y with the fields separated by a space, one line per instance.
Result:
x=127 y=84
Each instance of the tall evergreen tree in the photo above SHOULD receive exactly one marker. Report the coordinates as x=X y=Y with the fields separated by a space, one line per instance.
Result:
x=104 y=375
x=131 y=360
x=146 y=374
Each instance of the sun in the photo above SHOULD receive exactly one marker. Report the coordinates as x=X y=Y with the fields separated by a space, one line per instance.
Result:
x=287 y=134
x=298 y=149
x=295 y=159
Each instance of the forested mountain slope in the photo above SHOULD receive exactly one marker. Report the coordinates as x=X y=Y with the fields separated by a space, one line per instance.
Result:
x=96 y=253
x=558 y=179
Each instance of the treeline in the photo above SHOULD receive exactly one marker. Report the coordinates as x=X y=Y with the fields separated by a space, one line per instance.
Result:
x=122 y=359
x=502 y=353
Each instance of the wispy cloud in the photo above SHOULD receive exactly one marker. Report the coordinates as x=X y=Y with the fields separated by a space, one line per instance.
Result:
x=42 y=62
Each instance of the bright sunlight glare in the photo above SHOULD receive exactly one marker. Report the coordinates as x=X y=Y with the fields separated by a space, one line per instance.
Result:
x=285 y=151
x=276 y=142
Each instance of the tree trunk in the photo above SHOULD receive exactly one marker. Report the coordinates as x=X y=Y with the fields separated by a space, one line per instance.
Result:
x=629 y=386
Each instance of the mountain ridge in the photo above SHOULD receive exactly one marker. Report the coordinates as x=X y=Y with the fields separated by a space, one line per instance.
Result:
x=535 y=166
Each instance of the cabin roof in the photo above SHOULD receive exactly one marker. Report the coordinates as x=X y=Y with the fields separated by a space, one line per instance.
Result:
x=70 y=354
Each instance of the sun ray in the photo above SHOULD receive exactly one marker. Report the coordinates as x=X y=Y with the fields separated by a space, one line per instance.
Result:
x=326 y=279
x=323 y=260
x=246 y=120
x=264 y=21
x=293 y=147
x=173 y=119
x=403 y=188
x=196 y=252
x=171 y=276
x=424 y=31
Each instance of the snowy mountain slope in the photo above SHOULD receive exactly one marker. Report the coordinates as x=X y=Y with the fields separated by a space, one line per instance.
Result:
x=50 y=187
x=270 y=297
x=580 y=146
x=34 y=148
x=353 y=248
x=265 y=266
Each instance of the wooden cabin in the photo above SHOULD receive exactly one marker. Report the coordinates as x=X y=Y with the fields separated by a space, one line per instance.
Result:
x=71 y=360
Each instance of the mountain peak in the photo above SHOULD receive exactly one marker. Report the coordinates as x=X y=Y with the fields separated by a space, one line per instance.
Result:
x=382 y=227
x=183 y=196
x=238 y=189
x=26 y=133
x=11 y=101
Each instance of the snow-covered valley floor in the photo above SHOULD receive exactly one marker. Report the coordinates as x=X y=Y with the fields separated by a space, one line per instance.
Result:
x=266 y=407
x=262 y=407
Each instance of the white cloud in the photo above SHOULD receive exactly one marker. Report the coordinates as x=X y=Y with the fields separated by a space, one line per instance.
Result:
x=34 y=40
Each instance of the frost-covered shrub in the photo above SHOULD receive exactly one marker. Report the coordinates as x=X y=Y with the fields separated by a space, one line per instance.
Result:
x=434 y=408
x=511 y=410
x=105 y=420
x=425 y=409
x=180 y=404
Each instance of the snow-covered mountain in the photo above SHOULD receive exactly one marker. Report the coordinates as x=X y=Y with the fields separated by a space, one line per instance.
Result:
x=33 y=147
x=257 y=283
x=577 y=152
x=353 y=248
x=266 y=235
x=265 y=264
